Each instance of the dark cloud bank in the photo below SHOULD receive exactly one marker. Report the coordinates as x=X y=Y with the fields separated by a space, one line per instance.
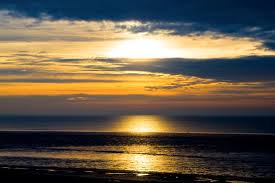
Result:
x=254 y=19
x=210 y=12
x=243 y=69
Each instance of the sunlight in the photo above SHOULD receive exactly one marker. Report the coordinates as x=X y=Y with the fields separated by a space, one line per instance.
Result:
x=141 y=162
x=142 y=124
x=142 y=48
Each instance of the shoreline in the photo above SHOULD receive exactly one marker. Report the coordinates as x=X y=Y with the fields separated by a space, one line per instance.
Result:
x=55 y=174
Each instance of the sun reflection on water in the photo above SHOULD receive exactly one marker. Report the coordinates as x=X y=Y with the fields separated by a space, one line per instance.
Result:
x=142 y=158
x=142 y=124
x=141 y=162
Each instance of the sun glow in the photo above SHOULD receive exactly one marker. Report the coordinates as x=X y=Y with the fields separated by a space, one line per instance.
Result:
x=142 y=48
x=142 y=124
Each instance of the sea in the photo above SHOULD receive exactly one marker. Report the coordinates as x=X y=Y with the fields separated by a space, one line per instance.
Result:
x=226 y=146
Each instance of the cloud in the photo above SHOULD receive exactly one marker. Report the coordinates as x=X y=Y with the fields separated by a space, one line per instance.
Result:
x=49 y=80
x=210 y=12
x=187 y=83
x=168 y=87
x=8 y=71
x=265 y=34
x=35 y=29
x=244 y=69
x=33 y=38
x=237 y=18
x=270 y=45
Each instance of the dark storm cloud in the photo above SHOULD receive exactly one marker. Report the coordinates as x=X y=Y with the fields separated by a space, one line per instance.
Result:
x=211 y=11
x=270 y=45
x=245 y=69
x=253 y=19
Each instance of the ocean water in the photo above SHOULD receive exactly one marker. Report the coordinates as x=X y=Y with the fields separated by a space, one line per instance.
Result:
x=178 y=124
x=240 y=154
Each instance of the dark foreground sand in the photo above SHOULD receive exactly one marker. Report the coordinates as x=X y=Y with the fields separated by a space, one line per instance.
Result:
x=51 y=175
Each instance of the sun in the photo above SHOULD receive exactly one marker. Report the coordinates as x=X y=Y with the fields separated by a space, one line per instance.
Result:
x=142 y=48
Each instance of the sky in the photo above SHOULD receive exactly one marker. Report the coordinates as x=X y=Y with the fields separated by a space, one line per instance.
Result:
x=199 y=57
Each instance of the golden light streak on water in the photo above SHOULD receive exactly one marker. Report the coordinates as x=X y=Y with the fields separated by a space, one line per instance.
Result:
x=142 y=124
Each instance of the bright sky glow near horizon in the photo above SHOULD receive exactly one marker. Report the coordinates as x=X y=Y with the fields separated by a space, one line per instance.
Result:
x=58 y=58
x=143 y=48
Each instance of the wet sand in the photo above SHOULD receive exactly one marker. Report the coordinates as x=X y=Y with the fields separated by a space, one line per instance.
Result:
x=40 y=174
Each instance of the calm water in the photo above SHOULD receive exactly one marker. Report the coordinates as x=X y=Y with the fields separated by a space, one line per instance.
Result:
x=247 y=155
x=141 y=122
